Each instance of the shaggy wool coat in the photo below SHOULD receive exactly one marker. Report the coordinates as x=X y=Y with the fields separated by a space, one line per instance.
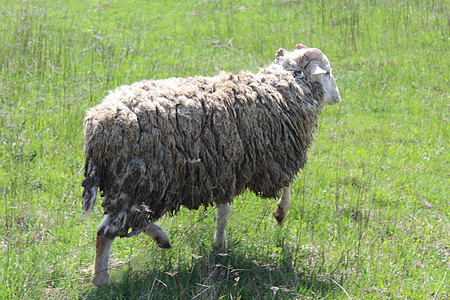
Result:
x=154 y=146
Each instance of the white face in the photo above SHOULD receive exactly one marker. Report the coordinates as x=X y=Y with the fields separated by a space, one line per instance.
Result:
x=317 y=67
x=323 y=75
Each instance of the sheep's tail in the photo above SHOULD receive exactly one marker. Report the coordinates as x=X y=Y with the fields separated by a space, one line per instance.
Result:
x=94 y=149
x=90 y=184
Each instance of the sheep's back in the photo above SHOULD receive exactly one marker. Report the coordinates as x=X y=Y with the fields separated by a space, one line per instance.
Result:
x=161 y=144
x=166 y=143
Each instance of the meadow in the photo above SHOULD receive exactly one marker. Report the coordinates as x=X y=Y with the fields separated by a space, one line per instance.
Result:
x=370 y=213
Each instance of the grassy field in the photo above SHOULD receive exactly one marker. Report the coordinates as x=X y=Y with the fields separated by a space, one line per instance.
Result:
x=370 y=214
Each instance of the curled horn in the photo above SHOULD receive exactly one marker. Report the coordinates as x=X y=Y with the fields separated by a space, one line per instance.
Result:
x=310 y=54
x=300 y=46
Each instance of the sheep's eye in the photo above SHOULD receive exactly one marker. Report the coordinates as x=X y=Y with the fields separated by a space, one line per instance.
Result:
x=328 y=73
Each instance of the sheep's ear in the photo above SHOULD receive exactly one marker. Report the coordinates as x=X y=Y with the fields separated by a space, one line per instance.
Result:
x=316 y=70
x=280 y=52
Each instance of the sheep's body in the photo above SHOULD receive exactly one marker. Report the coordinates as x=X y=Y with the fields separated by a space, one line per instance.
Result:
x=155 y=146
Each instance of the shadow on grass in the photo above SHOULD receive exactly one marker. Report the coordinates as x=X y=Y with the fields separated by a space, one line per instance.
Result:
x=229 y=274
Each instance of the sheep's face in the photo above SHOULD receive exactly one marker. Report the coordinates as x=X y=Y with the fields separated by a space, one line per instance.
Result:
x=316 y=67
x=319 y=72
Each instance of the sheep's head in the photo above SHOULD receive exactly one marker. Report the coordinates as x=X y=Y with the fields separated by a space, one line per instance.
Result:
x=315 y=66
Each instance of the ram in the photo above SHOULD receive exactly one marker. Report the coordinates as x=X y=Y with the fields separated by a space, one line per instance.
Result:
x=154 y=146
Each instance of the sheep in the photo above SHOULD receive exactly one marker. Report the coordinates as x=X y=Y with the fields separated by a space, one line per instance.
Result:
x=156 y=145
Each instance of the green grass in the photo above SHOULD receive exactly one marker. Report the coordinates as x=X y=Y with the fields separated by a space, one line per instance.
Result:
x=370 y=214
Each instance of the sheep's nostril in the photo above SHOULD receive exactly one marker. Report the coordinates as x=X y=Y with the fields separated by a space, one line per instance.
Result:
x=334 y=101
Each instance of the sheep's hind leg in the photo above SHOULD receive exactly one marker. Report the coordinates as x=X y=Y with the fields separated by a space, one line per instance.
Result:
x=223 y=211
x=158 y=235
x=103 y=248
x=283 y=205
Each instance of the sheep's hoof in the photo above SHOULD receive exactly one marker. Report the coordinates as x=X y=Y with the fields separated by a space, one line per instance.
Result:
x=279 y=215
x=219 y=246
x=101 y=278
x=165 y=244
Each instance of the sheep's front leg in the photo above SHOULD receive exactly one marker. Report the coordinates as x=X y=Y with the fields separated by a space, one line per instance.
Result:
x=223 y=211
x=158 y=235
x=103 y=248
x=283 y=204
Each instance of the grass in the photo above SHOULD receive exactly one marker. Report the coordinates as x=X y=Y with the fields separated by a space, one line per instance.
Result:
x=370 y=215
